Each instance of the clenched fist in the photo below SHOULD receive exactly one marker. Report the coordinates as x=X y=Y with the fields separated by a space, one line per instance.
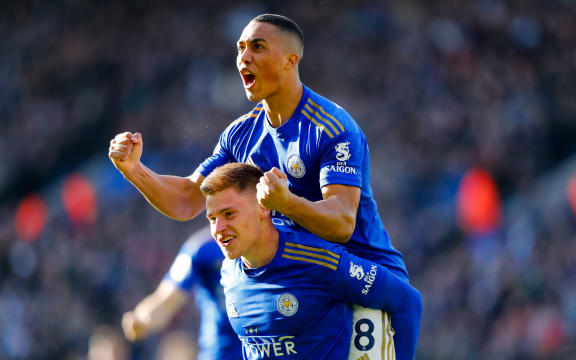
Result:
x=272 y=190
x=134 y=328
x=125 y=151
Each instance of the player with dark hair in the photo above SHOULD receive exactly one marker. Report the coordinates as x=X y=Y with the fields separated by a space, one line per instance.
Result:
x=315 y=157
x=288 y=291
x=196 y=268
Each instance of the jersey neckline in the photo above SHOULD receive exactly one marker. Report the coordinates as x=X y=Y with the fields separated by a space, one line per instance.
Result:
x=254 y=273
x=288 y=125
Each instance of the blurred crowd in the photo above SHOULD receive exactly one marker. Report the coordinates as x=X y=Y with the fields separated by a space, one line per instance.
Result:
x=439 y=88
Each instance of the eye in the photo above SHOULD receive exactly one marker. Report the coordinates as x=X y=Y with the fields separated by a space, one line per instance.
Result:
x=258 y=46
x=228 y=214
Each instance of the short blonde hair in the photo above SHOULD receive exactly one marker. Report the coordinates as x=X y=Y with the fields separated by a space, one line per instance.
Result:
x=239 y=176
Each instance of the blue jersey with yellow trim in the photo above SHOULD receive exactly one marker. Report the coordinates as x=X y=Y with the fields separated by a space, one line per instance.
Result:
x=298 y=305
x=319 y=145
x=197 y=267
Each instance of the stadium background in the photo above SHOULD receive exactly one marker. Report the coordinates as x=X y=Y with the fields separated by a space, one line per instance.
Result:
x=469 y=108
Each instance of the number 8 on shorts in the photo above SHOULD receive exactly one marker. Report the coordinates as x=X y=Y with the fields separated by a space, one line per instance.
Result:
x=369 y=341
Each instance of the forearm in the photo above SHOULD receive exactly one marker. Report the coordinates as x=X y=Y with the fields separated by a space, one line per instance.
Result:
x=158 y=309
x=328 y=218
x=389 y=292
x=176 y=197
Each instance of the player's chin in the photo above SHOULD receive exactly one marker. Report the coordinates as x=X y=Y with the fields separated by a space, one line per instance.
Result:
x=229 y=254
x=252 y=96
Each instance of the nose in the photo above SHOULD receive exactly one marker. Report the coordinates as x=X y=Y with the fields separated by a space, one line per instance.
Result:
x=219 y=226
x=244 y=56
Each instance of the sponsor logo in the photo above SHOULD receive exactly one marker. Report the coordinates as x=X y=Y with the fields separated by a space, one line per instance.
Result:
x=231 y=310
x=280 y=220
x=340 y=168
x=287 y=304
x=356 y=271
x=369 y=279
x=296 y=166
x=269 y=349
x=343 y=151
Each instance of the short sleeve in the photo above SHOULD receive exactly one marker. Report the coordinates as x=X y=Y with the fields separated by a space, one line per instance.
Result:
x=220 y=156
x=368 y=284
x=342 y=160
x=181 y=272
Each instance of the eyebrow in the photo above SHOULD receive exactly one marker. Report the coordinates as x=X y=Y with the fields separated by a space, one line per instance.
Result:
x=219 y=212
x=255 y=40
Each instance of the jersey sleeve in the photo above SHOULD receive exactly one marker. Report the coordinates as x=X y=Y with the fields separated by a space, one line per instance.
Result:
x=221 y=155
x=371 y=285
x=342 y=159
x=183 y=271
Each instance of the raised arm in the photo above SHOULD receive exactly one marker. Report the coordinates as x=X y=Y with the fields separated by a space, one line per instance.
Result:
x=333 y=218
x=174 y=196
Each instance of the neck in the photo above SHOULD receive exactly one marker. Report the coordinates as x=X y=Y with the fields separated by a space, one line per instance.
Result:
x=265 y=248
x=280 y=106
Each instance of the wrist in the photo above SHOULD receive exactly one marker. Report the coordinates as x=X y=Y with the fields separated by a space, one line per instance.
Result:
x=131 y=174
x=290 y=206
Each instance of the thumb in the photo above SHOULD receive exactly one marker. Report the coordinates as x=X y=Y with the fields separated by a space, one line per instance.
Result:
x=136 y=138
x=277 y=172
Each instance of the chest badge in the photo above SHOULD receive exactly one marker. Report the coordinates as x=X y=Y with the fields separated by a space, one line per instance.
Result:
x=287 y=304
x=296 y=166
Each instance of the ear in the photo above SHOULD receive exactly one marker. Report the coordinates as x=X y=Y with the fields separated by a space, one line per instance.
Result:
x=263 y=211
x=291 y=61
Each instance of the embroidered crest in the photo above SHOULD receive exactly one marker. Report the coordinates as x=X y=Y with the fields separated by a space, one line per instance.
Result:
x=287 y=304
x=296 y=166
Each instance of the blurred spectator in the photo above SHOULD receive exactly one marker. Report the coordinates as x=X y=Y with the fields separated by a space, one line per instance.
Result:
x=177 y=345
x=107 y=344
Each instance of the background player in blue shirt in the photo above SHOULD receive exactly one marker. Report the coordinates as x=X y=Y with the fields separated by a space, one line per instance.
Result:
x=315 y=157
x=288 y=291
x=196 y=267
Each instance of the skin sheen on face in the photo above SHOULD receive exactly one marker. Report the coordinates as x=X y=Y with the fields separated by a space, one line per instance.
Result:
x=262 y=59
x=235 y=219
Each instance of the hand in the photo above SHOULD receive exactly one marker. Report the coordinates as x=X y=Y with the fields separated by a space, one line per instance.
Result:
x=125 y=151
x=134 y=329
x=272 y=190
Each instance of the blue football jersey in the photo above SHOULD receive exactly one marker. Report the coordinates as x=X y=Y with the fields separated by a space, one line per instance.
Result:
x=319 y=145
x=298 y=305
x=197 y=267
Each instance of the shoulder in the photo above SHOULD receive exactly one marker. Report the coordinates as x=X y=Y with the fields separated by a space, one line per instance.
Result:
x=229 y=270
x=334 y=119
x=246 y=119
x=305 y=248
x=198 y=241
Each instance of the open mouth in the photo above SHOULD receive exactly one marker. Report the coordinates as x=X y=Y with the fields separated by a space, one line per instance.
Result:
x=249 y=79
x=226 y=240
